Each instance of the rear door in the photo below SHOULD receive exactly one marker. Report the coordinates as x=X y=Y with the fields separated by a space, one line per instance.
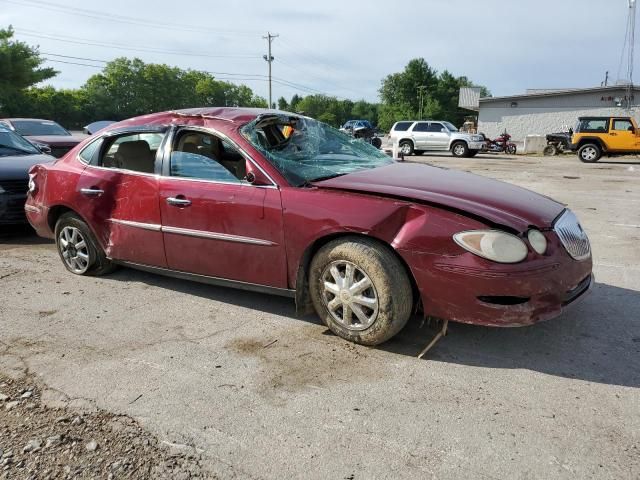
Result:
x=420 y=136
x=214 y=222
x=622 y=136
x=118 y=196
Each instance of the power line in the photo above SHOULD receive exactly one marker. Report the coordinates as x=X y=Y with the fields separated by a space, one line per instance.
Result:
x=119 y=46
x=106 y=16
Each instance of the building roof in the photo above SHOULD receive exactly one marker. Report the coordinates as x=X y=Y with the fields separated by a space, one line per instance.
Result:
x=558 y=93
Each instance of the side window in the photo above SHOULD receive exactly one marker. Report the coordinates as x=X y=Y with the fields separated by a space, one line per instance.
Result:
x=421 y=127
x=136 y=152
x=206 y=157
x=89 y=153
x=620 y=124
x=594 y=125
x=402 y=126
x=435 y=127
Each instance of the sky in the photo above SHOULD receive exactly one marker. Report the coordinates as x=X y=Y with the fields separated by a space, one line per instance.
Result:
x=336 y=47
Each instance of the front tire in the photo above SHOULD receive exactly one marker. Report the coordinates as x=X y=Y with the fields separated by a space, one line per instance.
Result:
x=360 y=290
x=460 y=150
x=589 y=153
x=78 y=249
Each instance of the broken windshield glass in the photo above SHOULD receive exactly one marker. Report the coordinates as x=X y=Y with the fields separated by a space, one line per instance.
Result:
x=305 y=150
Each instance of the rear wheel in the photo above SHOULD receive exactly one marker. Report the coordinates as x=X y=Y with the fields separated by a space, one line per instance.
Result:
x=406 y=147
x=589 y=153
x=360 y=290
x=376 y=142
x=78 y=249
x=460 y=149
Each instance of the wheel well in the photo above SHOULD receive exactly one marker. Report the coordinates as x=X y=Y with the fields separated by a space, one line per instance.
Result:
x=55 y=213
x=303 y=300
x=459 y=141
x=597 y=141
x=405 y=140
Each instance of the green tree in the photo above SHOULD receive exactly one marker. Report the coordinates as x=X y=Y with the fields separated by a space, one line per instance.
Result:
x=20 y=68
x=283 y=104
x=419 y=91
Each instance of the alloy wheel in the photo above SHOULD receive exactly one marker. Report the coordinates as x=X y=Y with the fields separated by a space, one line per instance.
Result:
x=74 y=249
x=458 y=150
x=589 y=153
x=405 y=149
x=349 y=295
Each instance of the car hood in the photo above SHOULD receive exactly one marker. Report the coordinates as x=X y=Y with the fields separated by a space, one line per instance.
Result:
x=57 y=140
x=497 y=202
x=16 y=167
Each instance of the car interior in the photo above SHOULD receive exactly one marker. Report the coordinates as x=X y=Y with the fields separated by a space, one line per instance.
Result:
x=205 y=156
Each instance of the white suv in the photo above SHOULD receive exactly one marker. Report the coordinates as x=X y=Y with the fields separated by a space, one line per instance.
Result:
x=415 y=137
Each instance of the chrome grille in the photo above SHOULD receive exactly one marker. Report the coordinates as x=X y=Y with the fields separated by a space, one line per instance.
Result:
x=572 y=236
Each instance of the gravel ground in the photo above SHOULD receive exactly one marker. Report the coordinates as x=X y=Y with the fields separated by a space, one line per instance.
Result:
x=40 y=442
x=258 y=393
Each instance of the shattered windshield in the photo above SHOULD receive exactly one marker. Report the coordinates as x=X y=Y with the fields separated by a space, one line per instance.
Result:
x=305 y=150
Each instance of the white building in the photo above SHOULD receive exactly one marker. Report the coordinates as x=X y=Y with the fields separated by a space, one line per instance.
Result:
x=539 y=112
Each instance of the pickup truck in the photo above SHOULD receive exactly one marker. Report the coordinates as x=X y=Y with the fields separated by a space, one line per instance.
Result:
x=416 y=137
x=594 y=137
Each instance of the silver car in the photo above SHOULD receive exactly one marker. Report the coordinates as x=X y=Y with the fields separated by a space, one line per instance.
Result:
x=415 y=137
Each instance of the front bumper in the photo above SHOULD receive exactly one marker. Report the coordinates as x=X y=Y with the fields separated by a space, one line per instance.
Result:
x=476 y=145
x=12 y=208
x=469 y=289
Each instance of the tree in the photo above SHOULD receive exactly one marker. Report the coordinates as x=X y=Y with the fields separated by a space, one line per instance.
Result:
x=419 y=92
x=282 y=104
x=20 y=68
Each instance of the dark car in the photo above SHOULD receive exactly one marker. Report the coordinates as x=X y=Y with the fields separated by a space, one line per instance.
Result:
x=17 y=156
x=44 y=133
x=264 y=200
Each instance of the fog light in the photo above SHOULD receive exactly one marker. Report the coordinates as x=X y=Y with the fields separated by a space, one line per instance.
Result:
x=538 y=241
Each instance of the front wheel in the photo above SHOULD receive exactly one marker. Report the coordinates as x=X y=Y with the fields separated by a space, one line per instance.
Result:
x=511 y=149
x=360 y=290
x=78 y=249
x=550 y=151
x=589 y=153
x=460 y=149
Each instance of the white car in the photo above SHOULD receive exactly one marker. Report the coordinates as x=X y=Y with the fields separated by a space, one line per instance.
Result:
x=416 y=137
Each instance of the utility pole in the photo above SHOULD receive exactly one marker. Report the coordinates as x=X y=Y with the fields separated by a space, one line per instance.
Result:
x=269 y=58
x=606 y=79
x=421 y=89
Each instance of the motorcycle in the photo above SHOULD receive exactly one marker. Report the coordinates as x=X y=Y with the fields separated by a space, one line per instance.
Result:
x=500 y=144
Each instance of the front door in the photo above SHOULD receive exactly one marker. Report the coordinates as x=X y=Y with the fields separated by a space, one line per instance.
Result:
x=215 y=223
x=119 y=197
x=438 y=138
x=622 y=136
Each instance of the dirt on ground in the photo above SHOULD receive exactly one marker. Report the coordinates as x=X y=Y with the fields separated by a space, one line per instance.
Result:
x=41 y=442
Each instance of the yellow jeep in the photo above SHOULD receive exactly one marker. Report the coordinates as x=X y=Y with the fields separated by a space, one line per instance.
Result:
x=597 y=136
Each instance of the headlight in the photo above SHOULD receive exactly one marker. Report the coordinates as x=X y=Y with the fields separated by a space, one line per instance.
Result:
x=477 y=138
x=493 y=245
x=537 y=240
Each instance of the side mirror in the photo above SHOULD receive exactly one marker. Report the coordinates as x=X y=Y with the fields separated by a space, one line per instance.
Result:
x=444 y=130
x=254 y=175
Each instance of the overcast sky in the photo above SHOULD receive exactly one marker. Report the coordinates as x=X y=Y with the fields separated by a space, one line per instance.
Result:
x=338 y=47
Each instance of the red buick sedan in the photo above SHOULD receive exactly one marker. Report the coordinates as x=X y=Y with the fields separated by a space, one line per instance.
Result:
x=276 y=202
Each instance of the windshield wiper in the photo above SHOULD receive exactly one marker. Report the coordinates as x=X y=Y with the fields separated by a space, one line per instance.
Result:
x=15 y=149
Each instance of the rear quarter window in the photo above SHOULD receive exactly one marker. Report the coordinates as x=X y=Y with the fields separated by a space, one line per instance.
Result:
x=402 y=126
x=593 y=125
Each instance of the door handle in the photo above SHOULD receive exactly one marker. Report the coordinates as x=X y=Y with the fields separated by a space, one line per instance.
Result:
x=178 y=202
x=613 y=134
x=91 y=192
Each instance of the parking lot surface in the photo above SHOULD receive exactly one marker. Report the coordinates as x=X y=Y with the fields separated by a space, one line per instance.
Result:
x=261 y=393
